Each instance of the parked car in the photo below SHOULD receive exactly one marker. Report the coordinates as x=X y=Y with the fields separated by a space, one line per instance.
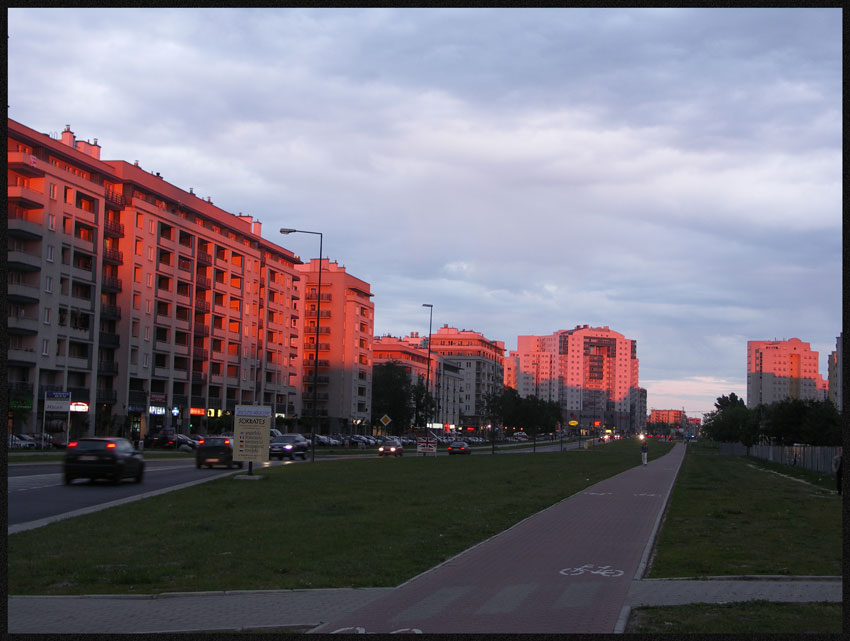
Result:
x=102 y=457
x=42 y=441
x=163 y=438
x=22 y=441
x=289 y=445
x=185 y=441
x=215 y=450
x=459 y=447
x=390 y=448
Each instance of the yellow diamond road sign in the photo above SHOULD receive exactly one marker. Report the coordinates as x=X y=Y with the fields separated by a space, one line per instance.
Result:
x=385 y=420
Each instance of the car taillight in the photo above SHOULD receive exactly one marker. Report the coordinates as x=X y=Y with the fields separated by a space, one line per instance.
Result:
x=73 y=444
x=450 y=447
x=110 y=446
x=227 y=442
x=201 y=442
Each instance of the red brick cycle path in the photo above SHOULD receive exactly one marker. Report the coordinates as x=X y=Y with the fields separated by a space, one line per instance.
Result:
x=513 y=582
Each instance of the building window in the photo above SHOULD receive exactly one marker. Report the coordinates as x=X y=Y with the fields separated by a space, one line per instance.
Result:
x=150 y=253
x=50 y=250
x=138 y=248
x=47 y=316
x=45 y=347
x=148 y=306
x=147 y=360
x=137 y=274
x=52 y=192
x=48 y=284
x=51 y=222
x=147 y=333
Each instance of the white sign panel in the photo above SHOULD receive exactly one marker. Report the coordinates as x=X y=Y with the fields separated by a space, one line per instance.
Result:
x=251 y=429
x=57 y=401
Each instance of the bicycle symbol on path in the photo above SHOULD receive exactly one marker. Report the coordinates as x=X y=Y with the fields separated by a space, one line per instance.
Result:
x=602 y=570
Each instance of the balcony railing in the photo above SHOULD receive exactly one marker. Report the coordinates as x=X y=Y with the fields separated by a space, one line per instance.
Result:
x=202 y=306
x=108 y=339
x=106 y=396
x=199 y=329
x=203 y=282
x=201 y=353
x=107 y=368
x=199 y=377
x=115 y=230
x=111 y=284
x=110 y=312
x=204 y=259
x=113 y=256
x=137 y=397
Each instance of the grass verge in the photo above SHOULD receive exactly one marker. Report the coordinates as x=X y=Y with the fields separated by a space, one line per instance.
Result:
x=750 y=617
x=729 y=517
x=351 y=523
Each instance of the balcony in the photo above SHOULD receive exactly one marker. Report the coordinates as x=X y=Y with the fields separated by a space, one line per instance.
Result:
x=108 y=396
x=180 y=400
x=137 y=397
x=199 y=329
x=114 y=200
x=21 y=293
x=199 y=401
x=202 y=282
x=309 y=362
x=200 y=353
x=110 y=284
x=20 y=387
x=23 y=261
x=25 y=223
x=113 y=256
x=108 y=339
x=79 y=393
x=24 y=163
x=110 y=312
x=199 y=377
x=113 y=230
x=202 y=307
x=107 y=368
x=22 y=324
x=25 y=197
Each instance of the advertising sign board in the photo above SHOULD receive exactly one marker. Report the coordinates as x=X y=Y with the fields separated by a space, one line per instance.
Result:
x=57 y=401
x=251 y=429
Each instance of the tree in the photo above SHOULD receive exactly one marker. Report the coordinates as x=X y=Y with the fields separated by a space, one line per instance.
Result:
x=423 y=403
x=392 y=395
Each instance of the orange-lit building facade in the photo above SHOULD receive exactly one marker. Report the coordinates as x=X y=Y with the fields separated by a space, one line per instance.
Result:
x=445 y=380
x=670 y=417
x=479 y=362
x=345 y=321
x=592 y=372
x=148 y=304
x=779 y=370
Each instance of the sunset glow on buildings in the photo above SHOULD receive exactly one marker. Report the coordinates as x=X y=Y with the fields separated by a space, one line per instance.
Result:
x=592 y=372
x=779 y=370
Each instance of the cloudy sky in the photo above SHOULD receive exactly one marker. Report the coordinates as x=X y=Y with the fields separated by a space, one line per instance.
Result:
x=673 y=174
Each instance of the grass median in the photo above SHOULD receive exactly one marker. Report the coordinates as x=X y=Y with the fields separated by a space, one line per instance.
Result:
x=348 y=523
x=733 y=516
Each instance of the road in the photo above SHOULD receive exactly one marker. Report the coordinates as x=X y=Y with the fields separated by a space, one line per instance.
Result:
x=36 y=490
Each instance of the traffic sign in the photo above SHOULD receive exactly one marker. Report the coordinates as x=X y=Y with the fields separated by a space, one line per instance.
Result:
x=386 y=420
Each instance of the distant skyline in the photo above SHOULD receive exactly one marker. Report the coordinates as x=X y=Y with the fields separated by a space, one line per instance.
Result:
x=674 y=174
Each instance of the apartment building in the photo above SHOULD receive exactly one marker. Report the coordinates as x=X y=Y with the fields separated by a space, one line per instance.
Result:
x=338 y=388
x=779 y=370
x=479 y=361
x=445 y=378
x=835 y=382
x=148 y=304
x=670 y=417
x=591 y=371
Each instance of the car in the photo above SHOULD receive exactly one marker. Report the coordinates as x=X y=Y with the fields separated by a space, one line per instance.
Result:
x=215 y=450
x=459 y=447
x=290 y=445
x=21 y=442
x=96 y=457
x=164 y=438
x=390 y=447
x=184 y=442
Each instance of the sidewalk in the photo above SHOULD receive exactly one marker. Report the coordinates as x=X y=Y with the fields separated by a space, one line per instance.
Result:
x=602 y=537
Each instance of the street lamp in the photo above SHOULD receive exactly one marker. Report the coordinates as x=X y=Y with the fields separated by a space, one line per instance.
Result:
x=428 y=372
x=286 y=232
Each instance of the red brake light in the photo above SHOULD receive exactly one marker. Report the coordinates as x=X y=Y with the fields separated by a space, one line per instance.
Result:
x=201 y=441
x=227 y=441
x=109 y=446
x=72 y=444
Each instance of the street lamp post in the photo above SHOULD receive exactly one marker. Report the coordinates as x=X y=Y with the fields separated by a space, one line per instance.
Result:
x=428 y=372
x=286 y=232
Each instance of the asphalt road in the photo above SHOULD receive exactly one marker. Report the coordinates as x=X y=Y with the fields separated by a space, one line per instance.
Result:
x=36 y=490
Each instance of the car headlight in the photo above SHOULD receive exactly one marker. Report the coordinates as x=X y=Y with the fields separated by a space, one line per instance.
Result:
x=287 y=447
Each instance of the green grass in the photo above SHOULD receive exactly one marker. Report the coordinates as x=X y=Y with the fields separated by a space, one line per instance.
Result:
x=750 y=617
x=728 y=516
x=351 y=523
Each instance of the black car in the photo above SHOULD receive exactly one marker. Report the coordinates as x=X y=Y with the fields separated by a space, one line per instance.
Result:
x=95 y=457
x=215 y=450
x=164 y=438
x=459 y=447
x=290 y=445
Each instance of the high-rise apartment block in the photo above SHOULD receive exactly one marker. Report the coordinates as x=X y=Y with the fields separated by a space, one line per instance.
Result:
x=343 y=324
x=836 y=376
x=669 y=417
x=779 y=370
x=152 y=307
x=592 y=372
x=480 y=363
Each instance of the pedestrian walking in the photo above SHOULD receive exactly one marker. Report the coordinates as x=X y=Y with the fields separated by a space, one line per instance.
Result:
x=838 y=468
x=644 y=450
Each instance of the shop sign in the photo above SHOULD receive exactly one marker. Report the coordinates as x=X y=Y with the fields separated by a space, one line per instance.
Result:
x=197 y=411
x=156 y=410
x=79 y=406
x=20 y=403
